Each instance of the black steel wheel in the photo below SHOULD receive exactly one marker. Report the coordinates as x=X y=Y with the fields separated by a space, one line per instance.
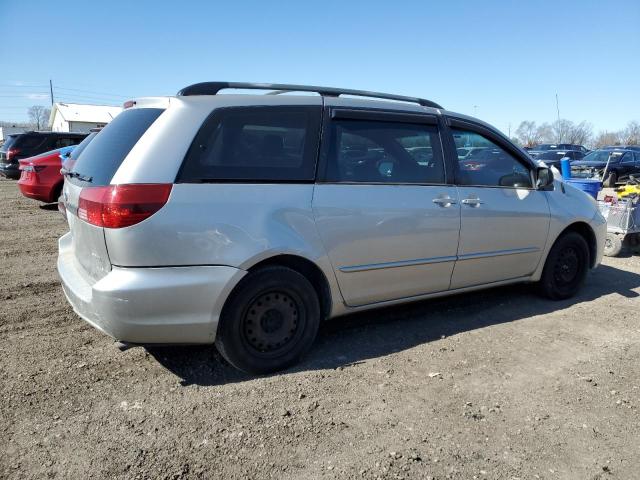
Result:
x=269 y=321
x=566 y=267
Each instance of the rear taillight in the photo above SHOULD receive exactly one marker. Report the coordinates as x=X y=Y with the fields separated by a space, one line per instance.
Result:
x=12 y=152
x=118 y=206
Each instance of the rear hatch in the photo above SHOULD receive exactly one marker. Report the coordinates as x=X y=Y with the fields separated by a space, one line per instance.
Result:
x=89 y=179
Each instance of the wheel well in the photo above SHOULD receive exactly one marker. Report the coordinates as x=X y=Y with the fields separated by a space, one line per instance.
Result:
x=56 y=191
x=307 y=268
x=587 y=233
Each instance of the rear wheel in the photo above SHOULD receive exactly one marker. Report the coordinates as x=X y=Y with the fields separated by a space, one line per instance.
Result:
x=566 y=267
x=269 y=322
x=611 y=180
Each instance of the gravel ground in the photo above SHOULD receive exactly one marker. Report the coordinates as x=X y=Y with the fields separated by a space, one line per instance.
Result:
x=497 y=384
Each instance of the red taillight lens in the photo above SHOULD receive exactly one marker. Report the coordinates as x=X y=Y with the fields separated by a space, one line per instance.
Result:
x=12 y=152
x=118 y=206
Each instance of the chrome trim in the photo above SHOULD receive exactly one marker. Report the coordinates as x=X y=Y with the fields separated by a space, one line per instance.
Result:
x=498 y=253
x=427 y=261
x=402 y=263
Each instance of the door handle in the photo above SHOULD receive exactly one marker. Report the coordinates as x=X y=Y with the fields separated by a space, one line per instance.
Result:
x=472 y=202
x=444 y=201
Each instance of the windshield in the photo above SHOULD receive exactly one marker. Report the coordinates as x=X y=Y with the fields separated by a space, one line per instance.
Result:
x=602 y=156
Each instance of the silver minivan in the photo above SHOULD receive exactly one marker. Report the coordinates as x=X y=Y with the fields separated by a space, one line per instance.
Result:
x=245 y=220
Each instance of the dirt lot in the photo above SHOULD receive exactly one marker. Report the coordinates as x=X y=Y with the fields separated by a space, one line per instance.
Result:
x=497 y=384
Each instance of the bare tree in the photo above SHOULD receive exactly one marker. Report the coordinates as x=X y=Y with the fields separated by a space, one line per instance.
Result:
x=545 y=133
x=631 y=134
x=561 y=129
x=607 y=138
x=580 y=134
x=528 y=133
x=39 y=116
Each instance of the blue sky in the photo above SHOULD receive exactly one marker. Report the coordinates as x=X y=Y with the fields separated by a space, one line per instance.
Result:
x=503 y=60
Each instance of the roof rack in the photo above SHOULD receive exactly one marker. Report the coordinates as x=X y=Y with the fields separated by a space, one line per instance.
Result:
x=212 y=88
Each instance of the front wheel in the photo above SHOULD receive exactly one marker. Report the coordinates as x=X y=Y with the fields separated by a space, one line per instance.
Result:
x=269 y=322
x=566 y=267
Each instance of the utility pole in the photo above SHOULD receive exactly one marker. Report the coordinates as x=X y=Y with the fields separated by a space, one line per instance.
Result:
x=51 y=90
x=475 y=110
x=557 y=107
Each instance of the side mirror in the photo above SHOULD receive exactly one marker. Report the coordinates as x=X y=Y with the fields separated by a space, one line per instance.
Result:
x=544 y=178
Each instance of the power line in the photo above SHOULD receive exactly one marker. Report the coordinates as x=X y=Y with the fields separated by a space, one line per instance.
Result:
x=92 y=92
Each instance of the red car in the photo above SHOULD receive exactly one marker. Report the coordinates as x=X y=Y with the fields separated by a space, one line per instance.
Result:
x=40 y=176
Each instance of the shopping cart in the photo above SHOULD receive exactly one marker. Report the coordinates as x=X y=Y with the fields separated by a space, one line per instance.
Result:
x=623 y=224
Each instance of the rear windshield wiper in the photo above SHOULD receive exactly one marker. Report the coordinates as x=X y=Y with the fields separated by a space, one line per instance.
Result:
x=72 y=174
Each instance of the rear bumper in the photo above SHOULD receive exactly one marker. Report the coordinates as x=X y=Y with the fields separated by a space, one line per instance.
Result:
x=149 y=305
x=10 y=170
x=37 y=192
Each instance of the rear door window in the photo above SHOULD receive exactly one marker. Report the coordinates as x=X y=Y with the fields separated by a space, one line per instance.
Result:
x=364 y=151
x=102 y=157
x=255 y=144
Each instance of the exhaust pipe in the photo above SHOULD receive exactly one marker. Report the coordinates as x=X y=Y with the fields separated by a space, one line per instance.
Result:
x=124 y=346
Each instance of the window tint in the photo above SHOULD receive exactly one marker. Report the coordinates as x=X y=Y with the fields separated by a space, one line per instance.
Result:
x=489 y=165
x=30 y=141
x=384 y=152
x=255 y=144
x=627 y=157
x=67 y=141
x=71 y=160
x=103 y=156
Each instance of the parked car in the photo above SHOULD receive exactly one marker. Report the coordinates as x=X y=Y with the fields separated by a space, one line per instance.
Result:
x=262 y=215
x=30 y=144
x=537 y=150
x=40 y=177
x=552 y=157
x=619 y=164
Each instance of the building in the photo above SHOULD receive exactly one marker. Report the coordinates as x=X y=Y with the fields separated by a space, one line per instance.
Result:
x=77 y=117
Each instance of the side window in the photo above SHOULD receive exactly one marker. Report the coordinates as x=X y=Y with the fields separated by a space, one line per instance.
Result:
x=384 y=152
x=627 y=158
x=65 y=142
x=255 y=144
x=488 y=164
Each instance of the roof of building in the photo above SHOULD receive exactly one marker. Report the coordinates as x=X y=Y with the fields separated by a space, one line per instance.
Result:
x=78 y=112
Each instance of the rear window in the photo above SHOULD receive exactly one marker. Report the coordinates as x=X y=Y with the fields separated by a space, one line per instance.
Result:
x=265 y=144
x=102 y=157
x=71 y=160
x=29 y=141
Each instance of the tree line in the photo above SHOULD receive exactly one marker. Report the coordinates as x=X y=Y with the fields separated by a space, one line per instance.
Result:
x=529 y=134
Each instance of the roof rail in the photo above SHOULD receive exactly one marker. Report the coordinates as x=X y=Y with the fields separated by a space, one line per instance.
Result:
x=212 y=88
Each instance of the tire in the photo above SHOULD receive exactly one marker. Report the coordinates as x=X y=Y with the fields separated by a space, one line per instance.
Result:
x=270 y=320
x=612 y=245
x=566 y=267
x=611 y=180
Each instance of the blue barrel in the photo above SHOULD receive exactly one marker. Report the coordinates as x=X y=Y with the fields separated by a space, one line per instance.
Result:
x=587 y=185
x=565 y=168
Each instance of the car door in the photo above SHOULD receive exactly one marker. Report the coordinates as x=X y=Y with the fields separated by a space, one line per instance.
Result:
x=386 y=215
x=504 y=220
x=628 y=165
